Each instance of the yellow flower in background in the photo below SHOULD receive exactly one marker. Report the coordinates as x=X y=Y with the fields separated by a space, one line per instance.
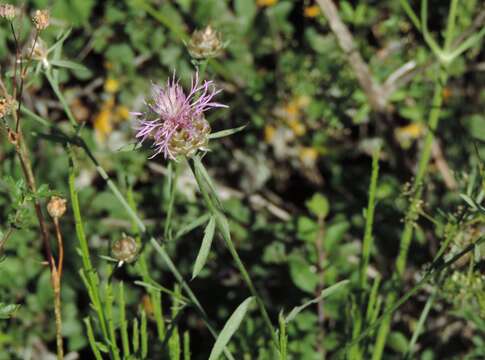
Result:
x=122 y=112
x=111 y=85
x=292 y=109
x=269 y=132
x=103 y=125
x=311 y=11
x=303 y=101
x=298 y=128
x=406 y=134
x=308 y=155
x=263 y=3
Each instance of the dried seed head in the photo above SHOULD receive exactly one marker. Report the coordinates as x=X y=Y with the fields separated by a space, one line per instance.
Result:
x=125 y=249
x=56 y=207
x=41 y=19
x=8 y=11
x=7 y=105
x=205 y=44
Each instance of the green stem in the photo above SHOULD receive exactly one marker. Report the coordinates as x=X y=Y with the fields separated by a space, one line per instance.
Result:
x=420 y=325
x=368 y=239
x=163 y=254
x=437 y=267
x=413 y=211
x=450 y=28
x=55 y=86
x=88 y=270
x=173 y=191
x=223 y=227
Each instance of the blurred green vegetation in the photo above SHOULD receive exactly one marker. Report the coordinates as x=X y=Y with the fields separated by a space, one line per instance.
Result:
x=307 y=146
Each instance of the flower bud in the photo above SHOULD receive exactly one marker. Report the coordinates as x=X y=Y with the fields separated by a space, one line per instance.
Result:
x=125 y=249
x=56 y=207
x=8 y=11
x=41 y=19
x=205 y=44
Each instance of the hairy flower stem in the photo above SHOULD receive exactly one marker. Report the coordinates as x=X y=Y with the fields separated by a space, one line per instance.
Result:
x=413 y=210
x=212 y=201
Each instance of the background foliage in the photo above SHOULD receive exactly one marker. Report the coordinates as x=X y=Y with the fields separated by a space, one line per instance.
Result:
x=307 y=146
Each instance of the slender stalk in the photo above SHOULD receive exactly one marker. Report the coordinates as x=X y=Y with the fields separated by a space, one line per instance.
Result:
x=56 y=277
x=369 y=221
x=438 y=266
x=211 y=199
x=173 y=192
x=420 y=324
x=23 y=74
x=450 y=28
x=88 y=271
x=321 y=285
x=413 y=211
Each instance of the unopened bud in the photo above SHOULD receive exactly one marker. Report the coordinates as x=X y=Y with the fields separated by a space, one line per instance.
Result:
x=205 y=44
x=8 y=11
x=125 y=249
x=56 y=207
x=41 y=19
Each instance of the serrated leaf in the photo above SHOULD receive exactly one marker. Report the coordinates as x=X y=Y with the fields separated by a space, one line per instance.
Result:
x=230 y=328
x=325 y=293
x=204 y=248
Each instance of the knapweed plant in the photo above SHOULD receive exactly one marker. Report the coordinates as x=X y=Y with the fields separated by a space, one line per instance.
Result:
x=253 y=190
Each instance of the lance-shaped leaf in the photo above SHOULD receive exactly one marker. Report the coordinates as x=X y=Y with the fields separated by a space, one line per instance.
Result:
x=230 y=328
x=204 y=248
x=325 y=293
x=227 y=132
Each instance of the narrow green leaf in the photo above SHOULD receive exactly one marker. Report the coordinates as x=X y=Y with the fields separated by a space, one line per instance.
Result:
x=204 y=248
x=325 y=293
x=227 y=132
x=230 y=328
x=69 y=65
x=185 y=229
x=62 y=37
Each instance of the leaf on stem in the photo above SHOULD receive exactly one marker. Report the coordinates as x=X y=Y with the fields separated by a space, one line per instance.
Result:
x=204 y=248
x=230 y=328
x=227 y=132
x=324 y=294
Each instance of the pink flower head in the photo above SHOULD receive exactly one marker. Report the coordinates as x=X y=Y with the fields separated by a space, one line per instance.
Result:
x=172 y=117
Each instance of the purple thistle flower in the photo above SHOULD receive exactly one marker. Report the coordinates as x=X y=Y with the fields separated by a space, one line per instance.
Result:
x=175 y=121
